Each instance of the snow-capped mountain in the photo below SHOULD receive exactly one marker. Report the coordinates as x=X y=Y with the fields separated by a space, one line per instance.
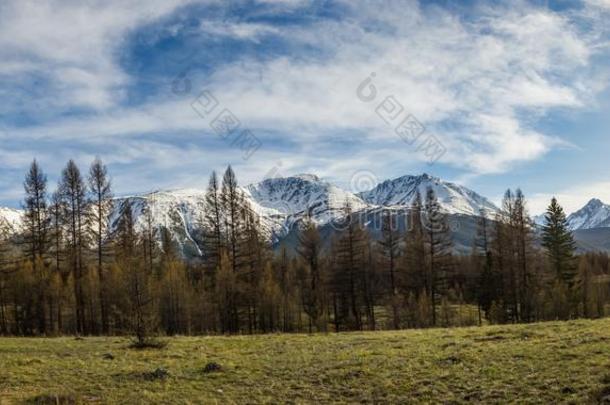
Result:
x=595 y=214
x=298 y=196
x=10 y=220
x=177 y=210
x=453 y=198
x=182 y=213
x=282 y=202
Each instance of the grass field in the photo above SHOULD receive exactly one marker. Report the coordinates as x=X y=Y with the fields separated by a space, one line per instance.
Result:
x=549 y=363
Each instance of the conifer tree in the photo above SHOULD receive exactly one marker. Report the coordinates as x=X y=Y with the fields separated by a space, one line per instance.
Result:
x=37 y=234
x=253 y=251
x=174 y=291
x=524 y=249
x=101 y=197
x=390 y=243
x=438 y=251
x=213 y=239
x=310 y=249
x=506 y=256
x=415 y=252
x=349 y=272
x=7 y=267
x=149 y=233
x=137 y=278
x=73 y=194
x=559 y=244
x=488 y=280
x=57 y=250
x=232 y=204
x=288 y=285
x=232 y=214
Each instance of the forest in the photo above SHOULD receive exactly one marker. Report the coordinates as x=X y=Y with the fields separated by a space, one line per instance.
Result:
x=72 y=270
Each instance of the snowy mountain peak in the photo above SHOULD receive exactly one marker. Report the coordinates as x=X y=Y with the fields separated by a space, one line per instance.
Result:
x=428 y=177
x=453 y=198
x=594 y=203
x=302 y=195
x=595 y=214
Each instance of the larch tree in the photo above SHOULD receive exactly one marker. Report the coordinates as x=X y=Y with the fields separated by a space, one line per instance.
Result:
x=37 y=234
x=488 y=281
x=232 y=203
x=349 y=274
x=309 y=249
x=137 y=278
x=101 y=207
x=57 y=251
x=390 y=251
x=213 y=239
x=524 y=249
x=73 y=193
x=415 y=252
x=437 y=238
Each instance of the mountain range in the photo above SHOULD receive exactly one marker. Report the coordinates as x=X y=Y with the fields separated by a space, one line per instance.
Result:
x=282 y=202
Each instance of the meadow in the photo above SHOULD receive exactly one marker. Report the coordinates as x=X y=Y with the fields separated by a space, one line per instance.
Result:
x=556 y=362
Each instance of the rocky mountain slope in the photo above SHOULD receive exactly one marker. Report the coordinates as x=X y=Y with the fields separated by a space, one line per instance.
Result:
x=595 y=214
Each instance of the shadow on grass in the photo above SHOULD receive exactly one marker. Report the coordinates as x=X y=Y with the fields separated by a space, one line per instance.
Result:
x=53 y=399
x=153 y=344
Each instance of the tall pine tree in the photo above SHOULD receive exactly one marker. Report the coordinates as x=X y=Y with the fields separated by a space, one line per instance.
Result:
x=559 y=243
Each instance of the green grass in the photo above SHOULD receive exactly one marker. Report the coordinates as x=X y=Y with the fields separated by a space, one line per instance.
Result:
x=550 y=363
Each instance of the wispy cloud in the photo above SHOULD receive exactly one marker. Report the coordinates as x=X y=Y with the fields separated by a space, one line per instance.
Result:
x=479 y=81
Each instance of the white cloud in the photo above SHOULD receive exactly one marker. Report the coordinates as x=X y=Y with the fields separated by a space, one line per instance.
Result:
x=490 y=75
x=477 y=83
x=73 y=45
x=250 y=31
x=599 y=3
x=572 y=198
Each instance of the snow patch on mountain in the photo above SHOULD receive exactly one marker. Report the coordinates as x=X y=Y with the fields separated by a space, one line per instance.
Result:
x=595 y=214
x=11 y=220
x=539 y=220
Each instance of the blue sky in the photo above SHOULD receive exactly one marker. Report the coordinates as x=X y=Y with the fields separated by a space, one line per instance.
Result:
x=516 y=93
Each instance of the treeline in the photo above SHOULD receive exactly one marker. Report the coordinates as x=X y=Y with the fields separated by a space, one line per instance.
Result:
x=71 y=271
